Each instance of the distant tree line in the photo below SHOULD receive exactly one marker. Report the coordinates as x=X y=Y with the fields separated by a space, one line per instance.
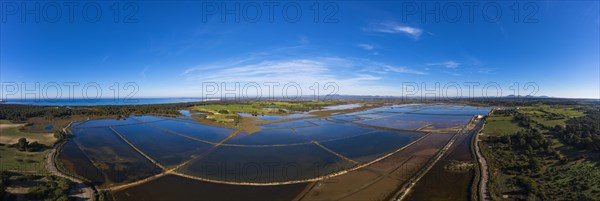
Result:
x=505 y=112
x=22 y=113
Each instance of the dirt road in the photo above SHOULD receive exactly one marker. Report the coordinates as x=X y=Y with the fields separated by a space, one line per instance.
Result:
x=483 y=166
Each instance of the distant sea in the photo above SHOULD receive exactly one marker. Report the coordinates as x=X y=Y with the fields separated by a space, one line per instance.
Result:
x=88 y=102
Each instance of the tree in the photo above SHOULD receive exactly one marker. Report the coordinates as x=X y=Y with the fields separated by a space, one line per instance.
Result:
x=22 y=144
x=59 y=135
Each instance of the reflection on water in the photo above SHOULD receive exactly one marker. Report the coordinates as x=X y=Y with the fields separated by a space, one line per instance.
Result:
x=368 y=147
x=276 y=117
x=343 y=107
x=115 y=158
x=166 y=148
x=75 y=161
x=195 y=130
x=266 y=164
x=291 y=150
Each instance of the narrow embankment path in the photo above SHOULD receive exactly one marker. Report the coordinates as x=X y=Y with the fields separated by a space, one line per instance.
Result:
x=483 y=191
x=80 y=191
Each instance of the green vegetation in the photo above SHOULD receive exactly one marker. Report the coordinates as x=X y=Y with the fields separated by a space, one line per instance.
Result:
x=24 y=145
x=582 y=132
x=33 y=187
x=528 y=161
x=459 y=166
x=261 y=108
x=52 y=189
x=501 y=125
x=550 y=116
x=14 y=160
x=228 y=112
x=21 y=113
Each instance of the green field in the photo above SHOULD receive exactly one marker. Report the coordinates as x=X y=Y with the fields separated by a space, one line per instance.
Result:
x=261 y=107
x=10 y=133
x=549 y=122
x=550 y=116
x=541 y=109
x=501 y=125
x=14 y=160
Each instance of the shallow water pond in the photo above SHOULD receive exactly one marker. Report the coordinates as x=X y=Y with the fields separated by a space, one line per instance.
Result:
x=113 y=156
x=269 y=137
x=365 y=148
x=166 y=148
x=195 y=130
x=266 y=164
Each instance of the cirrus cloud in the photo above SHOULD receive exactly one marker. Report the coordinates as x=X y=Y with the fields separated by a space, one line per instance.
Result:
x=395 y=28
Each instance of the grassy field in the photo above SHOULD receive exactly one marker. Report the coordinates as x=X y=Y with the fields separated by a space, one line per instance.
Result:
x=501 y=125
x=550 y=116
x=541 y=109
x=10 y=134
x=14 y=160
x=227 y=112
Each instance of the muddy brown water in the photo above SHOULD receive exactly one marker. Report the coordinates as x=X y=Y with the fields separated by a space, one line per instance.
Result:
x=441 y=184
x=172 y=187
x=74 y=160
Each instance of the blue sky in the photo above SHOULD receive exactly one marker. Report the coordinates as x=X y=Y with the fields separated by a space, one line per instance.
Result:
x=365 y=47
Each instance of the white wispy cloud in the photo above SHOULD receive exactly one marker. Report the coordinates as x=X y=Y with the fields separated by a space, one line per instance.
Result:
x=369 y=47
x=400 y=69
x=303 y=40
x=395 y=28
x=447 y=64
x=143 y=72
x=356 y=76
x=487 y=70
x=366 y=46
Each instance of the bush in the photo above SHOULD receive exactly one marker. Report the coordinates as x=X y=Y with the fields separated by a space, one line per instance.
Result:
x=24 y=145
